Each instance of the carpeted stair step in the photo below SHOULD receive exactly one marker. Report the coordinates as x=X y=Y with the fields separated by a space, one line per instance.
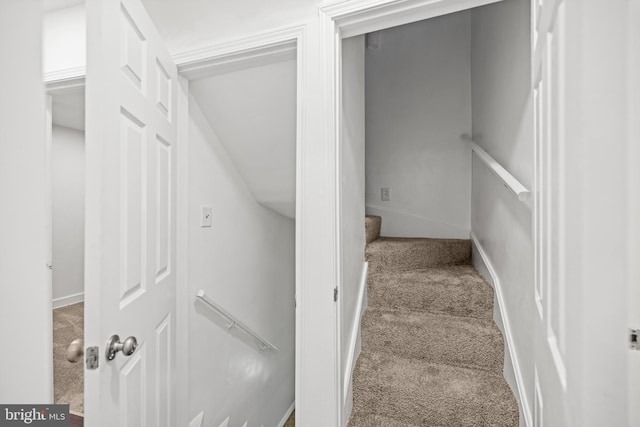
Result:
x=397 y=253
x=430 y=394
x=373 y=420
x=455 y=290
x=437 y=338
x=372 y=224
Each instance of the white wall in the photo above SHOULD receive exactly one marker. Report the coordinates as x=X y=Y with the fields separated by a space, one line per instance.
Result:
x=25 y=281
x=68 y=215
x=253 y=110
x=352 y=207
x=245 y=261
x=502 y=125
x=65 y=39
x=418 y=99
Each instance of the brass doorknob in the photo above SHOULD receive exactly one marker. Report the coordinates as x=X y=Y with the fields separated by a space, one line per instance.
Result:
x=75 y=351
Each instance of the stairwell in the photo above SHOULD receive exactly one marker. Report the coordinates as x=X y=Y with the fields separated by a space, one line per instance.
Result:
x=431 y=352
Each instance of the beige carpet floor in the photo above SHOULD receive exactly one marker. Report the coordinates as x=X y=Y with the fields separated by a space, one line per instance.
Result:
x=291 y=422
x=431 y=353
x=68 y=378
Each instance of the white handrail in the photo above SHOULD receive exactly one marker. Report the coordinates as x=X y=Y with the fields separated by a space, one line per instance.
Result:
x=234 y=322
x=509 y=180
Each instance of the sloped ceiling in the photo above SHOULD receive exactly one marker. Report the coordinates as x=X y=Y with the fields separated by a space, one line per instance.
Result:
x=253 y=112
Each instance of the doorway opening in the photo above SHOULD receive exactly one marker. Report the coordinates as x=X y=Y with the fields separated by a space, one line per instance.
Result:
x=415 y=84
x=242 y=139
x=67 y=166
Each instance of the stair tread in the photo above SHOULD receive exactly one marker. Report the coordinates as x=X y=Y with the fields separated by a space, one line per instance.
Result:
x=375 y=420
x=455 y=290
x=455 y=340
x=424 y=393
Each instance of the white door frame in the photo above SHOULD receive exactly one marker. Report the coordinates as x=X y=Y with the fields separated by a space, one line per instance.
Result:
x=634 y=203
x=339 y=20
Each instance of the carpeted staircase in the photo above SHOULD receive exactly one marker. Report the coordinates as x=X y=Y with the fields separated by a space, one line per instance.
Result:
x=431 y=353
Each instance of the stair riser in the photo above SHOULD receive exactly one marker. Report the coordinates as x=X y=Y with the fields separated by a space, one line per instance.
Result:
x=411 y=291
x=372 y=225
x=390 y=255
x=464 y=342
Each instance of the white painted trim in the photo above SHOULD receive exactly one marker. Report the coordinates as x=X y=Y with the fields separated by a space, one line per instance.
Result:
x=354 y=345
x=67 y=300
x=48 y=195
x=182 y=257
x=56 y=81
x=287 y=414
x=356 y=17
x=48 y=213
x=525 y=409
x=198 y=420
x=259 y=49
x=301 y=327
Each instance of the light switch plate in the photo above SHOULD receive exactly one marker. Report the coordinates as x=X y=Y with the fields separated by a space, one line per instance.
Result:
x=206 y=217
x=385 y=194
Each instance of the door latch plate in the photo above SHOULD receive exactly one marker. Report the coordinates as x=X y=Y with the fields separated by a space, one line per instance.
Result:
x=92 y=357
x=633 y=339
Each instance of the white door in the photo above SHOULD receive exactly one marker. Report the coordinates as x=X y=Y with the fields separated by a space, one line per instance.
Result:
x=550 y=402
x=130 y=216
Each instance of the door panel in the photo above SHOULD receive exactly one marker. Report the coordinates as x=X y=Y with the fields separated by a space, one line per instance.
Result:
x=550 y=376
x=131 y=211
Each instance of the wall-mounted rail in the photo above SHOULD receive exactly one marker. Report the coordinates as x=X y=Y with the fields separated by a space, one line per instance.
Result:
x=235 y=323
x=509 y=180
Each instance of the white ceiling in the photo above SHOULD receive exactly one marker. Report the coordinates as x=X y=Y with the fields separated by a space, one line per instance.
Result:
x=50 y=5
x=253 y=111
x=189 y=24
x=68 y=109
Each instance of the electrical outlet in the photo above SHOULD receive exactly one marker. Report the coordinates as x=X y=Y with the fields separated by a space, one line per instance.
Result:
x=205 y=218
x=385 y=194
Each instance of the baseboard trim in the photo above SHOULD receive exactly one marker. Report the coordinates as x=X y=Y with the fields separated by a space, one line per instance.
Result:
x=287 y=414
x=354 y=344
x=513 y=355
x=68 y=300
x=198 y=420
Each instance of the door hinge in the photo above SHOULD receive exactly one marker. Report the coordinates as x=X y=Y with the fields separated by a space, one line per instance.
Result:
x=335 y=294
x=633 y=339
x=92 y=357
